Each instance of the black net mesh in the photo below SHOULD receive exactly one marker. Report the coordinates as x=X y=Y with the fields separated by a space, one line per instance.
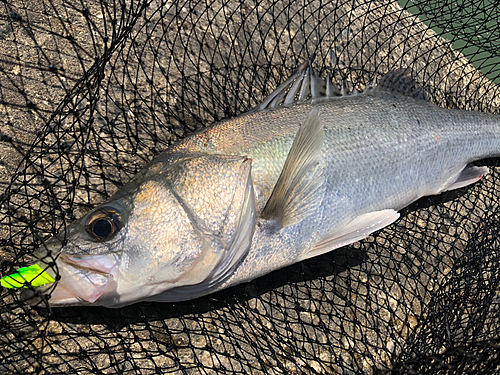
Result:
x=90 y=92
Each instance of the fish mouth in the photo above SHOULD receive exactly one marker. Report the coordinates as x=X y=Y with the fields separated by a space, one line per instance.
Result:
x=83 y=279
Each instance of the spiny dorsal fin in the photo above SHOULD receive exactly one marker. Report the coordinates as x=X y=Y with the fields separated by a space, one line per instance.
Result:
x=304 y=84
x=296 y=192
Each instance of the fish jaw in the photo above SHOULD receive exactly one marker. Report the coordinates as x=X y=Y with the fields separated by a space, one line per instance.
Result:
x=95 y=280
x=84 y=279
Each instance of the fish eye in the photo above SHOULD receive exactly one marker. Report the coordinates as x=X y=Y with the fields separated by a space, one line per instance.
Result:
x=103 y=224
x=102 y=228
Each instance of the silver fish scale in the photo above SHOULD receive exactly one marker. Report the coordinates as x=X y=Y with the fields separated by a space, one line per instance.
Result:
x=382 y=151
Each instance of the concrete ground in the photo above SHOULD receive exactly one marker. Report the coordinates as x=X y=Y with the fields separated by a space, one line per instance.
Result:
x=161 y=75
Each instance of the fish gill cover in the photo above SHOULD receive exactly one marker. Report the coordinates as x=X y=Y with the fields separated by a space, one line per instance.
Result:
x=92 y=91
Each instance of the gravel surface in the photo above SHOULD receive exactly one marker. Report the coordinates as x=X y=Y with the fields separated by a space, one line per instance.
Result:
x=153 y=79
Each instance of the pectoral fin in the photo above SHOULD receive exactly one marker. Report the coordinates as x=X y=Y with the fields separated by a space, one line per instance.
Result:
x=356 y=230
x=295 y=194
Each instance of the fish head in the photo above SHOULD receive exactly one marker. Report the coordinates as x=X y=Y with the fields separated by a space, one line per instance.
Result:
x=176 y=231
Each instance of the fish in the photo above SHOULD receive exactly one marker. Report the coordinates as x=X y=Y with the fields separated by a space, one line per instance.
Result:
x=311 y=169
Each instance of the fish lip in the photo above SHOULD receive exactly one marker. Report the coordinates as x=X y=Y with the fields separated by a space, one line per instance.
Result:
x=68 y=260
x=84 y=279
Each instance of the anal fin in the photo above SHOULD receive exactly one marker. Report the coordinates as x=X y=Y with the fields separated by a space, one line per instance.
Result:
x=295 y=194
x=469 y=175
x=356 y=230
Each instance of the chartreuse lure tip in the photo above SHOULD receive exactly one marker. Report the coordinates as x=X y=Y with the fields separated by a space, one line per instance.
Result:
x=32 y=275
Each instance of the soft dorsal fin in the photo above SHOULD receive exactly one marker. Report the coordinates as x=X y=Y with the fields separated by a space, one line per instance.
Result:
x=295 y=194
x=401 y=81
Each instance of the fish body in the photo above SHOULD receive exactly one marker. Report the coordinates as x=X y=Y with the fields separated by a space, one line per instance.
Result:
x=267 y=189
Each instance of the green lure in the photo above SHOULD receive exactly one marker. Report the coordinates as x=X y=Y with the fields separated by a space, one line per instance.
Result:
x=33 y=275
